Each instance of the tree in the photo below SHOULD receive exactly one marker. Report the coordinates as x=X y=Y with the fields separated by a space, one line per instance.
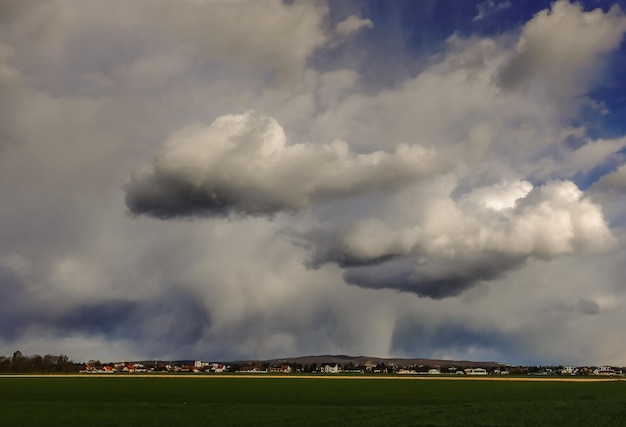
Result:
x=63 y=363
x=17 y=362
x=5 y=364
x=35 y=363
x=48 y=363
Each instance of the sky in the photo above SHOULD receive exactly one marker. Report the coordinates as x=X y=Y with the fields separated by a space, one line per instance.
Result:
x=234 y=179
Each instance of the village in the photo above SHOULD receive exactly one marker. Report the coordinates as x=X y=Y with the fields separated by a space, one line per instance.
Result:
x=198 y=366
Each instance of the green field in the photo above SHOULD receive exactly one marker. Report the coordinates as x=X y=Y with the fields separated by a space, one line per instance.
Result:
x=215 y=401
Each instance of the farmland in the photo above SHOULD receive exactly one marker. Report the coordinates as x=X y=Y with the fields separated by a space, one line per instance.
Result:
x=213 y=400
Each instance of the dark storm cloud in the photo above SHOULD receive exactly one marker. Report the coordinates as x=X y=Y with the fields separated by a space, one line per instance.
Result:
x=408 y=281
x=325 y=247
x=441 y=279
x=166 y=197
x=411 y=336
x=109 y=318
x=175 y=317
x=14 y=310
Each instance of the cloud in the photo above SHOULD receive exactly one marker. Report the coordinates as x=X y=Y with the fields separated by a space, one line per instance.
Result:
x=451 y=339
x=490 y=7
x=246 y=33
x=11 y=10
x=588 y=306
x=614 y=181
x=11 y=86
x=435 y=278
x=560 y=50
x=242 y=164
x=171 y=317
x=455 y=244
x=351 y=25
x=252 y=31
x=581 y=160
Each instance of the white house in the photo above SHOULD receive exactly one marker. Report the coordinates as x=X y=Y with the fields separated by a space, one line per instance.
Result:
x=604 y=370
x=569 y=370
x=327 y=369
x=219 y=368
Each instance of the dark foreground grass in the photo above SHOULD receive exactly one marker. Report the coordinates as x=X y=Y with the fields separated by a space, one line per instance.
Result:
x=214 y=401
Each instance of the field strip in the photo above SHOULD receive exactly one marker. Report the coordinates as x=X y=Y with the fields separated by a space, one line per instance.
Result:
x=323 y=377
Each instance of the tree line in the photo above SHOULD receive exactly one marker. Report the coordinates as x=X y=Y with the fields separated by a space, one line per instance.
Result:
x=20 y=363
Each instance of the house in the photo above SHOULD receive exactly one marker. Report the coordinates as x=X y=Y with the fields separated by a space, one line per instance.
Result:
x=253 y=368
x=200 y=365
x=477 y=371
x=370 y=365
x=219 y=368
x=604 y=370
x=284 y=368
x=327 y=369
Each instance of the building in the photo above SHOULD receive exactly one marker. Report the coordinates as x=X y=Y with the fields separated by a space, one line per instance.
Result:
x=328 y=369
x=604 y=370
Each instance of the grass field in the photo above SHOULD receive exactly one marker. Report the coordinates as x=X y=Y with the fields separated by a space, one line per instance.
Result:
x=217 y=401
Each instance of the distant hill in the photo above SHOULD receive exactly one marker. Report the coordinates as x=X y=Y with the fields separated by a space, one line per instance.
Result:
x=342 y=360
x=363 y=360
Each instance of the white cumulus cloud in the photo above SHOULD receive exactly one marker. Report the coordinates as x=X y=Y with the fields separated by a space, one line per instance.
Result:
x=451 y=245
x=242 y=164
